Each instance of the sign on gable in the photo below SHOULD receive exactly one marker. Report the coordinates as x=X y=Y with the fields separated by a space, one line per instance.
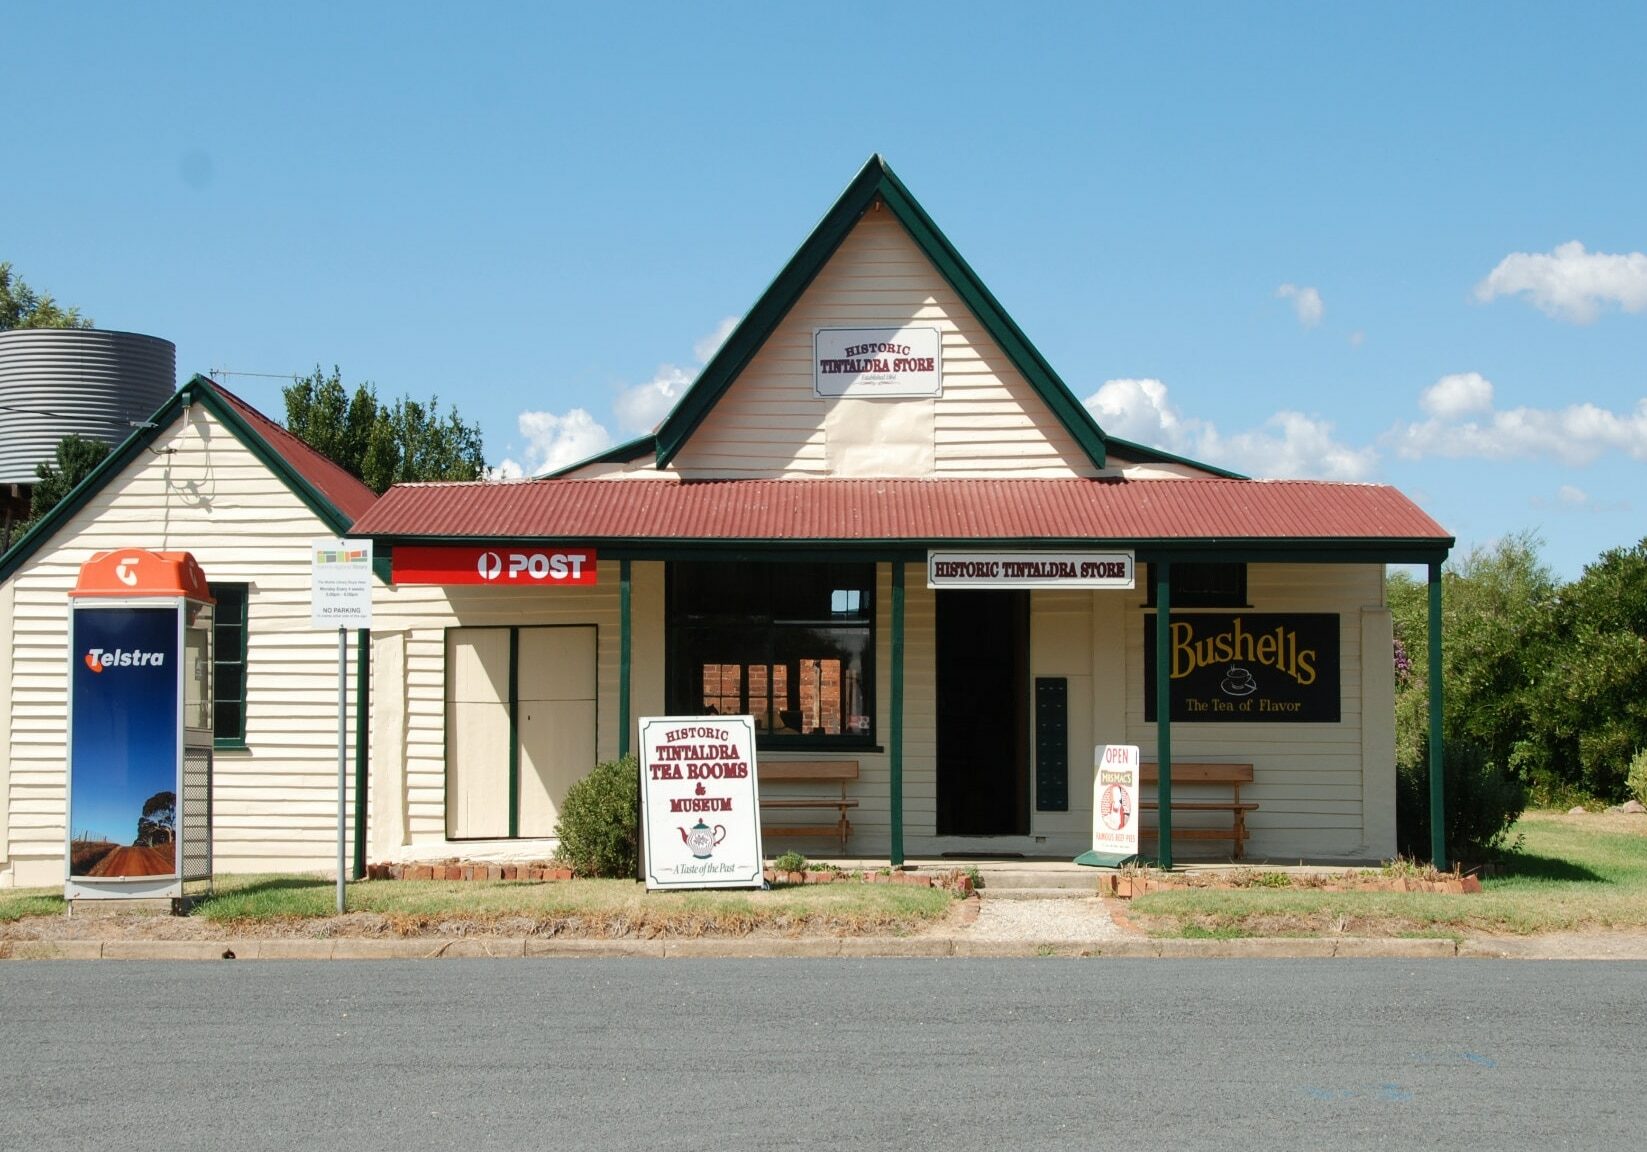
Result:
x=877 y=362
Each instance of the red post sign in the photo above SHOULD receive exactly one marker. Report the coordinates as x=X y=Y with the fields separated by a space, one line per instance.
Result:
x=511 y=565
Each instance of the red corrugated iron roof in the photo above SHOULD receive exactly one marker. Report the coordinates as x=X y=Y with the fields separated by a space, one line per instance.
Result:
x=830 y=510
x=348 y=494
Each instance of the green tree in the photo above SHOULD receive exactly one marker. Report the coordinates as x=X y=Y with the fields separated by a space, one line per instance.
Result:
x=75 y=458
x=157 y=824
x=23 y=307
x=382 y=444
x=1589 y=713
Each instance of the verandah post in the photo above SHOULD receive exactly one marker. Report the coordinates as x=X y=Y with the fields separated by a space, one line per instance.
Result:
x=1163 y=706
x=1438 y=758
x=895 y=742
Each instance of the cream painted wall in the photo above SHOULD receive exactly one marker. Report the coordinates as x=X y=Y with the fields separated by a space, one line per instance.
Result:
x=988 y=422
x=198 y=490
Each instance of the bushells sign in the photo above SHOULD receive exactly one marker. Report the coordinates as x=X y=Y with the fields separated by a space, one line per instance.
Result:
x=1248 y=668
x=700 y=810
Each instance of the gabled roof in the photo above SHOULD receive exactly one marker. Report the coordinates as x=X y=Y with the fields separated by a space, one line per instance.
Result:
x=1369 y=522
x=332 y=494
x=874 y=182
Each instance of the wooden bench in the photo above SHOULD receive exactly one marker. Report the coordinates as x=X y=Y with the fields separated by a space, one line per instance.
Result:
x=1202 y=776
x=837 y=772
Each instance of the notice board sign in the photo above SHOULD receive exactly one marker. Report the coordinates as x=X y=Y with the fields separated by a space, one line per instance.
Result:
x=700 y=810
x=1115 y=800
x=1250 y=667
x=340 y=583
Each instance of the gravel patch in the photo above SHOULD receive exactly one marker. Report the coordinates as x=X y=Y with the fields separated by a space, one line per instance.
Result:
x=1052 y=921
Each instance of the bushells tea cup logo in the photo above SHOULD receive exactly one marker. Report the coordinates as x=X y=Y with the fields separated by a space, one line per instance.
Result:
x=489 y=565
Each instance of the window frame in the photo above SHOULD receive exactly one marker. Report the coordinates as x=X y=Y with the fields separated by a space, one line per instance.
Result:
x=772 y=634
x=219 y=590
x=1184 y=596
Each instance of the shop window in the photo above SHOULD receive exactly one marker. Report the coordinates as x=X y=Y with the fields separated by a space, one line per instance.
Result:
x=790 y=644
x=1201 y=585
x=229 y=666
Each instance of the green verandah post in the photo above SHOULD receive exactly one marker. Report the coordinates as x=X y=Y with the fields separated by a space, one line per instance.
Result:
x=895 y=742
x=1163 y=706
x=623 y=659
x=1438 y=758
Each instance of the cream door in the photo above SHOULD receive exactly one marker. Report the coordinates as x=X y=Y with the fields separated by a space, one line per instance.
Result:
x=477 y=733
x=556 y=674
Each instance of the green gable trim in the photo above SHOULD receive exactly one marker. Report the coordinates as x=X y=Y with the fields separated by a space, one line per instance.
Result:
x=626 y=453
x=198 y=389
x=1148 y=455
x=875 y=181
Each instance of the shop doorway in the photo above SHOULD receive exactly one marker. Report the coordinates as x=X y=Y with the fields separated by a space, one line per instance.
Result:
x=983 y=722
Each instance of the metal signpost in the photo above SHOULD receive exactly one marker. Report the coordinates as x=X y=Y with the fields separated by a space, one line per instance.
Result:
x=341 y=597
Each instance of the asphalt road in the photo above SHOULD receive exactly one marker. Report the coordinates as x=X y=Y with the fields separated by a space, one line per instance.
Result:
x=704 y=1056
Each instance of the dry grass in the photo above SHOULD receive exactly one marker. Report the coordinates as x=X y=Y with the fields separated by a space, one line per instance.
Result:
x=1568 y=873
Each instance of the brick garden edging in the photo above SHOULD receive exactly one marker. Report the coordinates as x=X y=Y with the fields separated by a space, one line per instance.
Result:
x=459 y=870
x=1125 y=885
x=955 y=880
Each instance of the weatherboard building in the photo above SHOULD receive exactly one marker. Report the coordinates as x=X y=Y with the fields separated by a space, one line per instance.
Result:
x=879 y=523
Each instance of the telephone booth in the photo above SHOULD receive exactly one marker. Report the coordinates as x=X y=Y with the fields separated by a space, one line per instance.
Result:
x=140 y=727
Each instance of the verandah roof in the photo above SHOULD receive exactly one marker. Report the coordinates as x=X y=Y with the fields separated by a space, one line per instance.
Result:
x=1203 y=513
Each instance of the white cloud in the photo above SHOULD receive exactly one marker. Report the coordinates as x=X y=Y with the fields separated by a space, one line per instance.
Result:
x=641 y=408
x=553 y=442
x=1357 y=338
x=711 y=343
x=1458 y=395
x=1288 y=444
x=1306 y=302
x=1570 y=283
x=1568 y=494
x=1465 y=424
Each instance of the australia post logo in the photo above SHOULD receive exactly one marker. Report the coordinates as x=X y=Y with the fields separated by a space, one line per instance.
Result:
x=100 y=660
x=503 y=565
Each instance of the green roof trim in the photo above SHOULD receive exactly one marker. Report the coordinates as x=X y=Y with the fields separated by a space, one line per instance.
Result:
x=875 y=181
x=1149 y=455
x=626 y=453
x=198 y=390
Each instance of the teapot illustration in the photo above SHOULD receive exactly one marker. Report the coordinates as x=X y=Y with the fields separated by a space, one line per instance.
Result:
x=701 y=838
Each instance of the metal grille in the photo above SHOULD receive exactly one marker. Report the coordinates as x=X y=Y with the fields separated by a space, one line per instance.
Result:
x=196 y=815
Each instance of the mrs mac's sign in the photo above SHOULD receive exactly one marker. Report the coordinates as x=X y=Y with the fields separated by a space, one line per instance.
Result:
x=1248 y=668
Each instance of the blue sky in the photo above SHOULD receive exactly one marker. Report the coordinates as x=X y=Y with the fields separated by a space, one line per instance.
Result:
x=1399 y=243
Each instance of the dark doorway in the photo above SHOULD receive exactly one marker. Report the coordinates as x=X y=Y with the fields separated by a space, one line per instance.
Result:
x=983 y=726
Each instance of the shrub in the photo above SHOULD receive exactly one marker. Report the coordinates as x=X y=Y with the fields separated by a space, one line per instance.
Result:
x=599 y=827
x=1482 y=800
x=1636 y=782
x=790 y=862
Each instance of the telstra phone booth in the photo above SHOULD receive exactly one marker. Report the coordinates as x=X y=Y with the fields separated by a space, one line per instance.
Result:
x=140 y=727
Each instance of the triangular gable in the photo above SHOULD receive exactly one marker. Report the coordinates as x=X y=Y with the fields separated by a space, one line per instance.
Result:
x=335 y=497
x=875 y=181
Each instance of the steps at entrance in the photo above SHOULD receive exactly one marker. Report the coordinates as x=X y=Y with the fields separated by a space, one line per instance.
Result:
x=1021 y=881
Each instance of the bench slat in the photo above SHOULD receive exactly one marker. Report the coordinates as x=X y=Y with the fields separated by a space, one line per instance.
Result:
x=1198 y=773
x=803 y=802
x=808 y=772
x=1203 y=805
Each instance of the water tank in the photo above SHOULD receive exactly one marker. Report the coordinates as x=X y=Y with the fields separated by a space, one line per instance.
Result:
x=86 y=381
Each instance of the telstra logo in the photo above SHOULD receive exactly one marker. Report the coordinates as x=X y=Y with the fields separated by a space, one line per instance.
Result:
x=101 y=659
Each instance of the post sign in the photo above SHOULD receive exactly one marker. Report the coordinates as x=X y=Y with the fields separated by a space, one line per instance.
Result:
x=340 y=581
x=511 y=565
x=1115 y=800
x=877 y=362
x=700 y=811
x=1029 y=569
x=1248 y=668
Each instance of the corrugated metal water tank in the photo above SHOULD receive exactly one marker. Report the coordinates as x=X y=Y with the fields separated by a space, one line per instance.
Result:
x=57 y=381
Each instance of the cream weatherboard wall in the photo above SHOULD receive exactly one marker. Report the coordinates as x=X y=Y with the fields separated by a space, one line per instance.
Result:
x=987 y=422
x=197 y=489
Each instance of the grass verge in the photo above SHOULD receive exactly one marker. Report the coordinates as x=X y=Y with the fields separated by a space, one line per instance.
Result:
x=607 y=908
x=16 y=903
x=1567 y=873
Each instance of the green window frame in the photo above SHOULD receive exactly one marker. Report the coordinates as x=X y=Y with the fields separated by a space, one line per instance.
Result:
x=230 y=629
